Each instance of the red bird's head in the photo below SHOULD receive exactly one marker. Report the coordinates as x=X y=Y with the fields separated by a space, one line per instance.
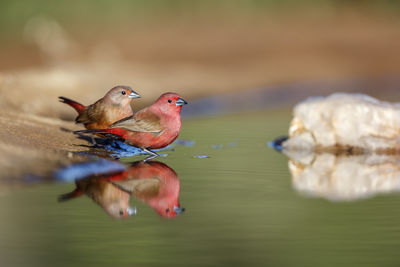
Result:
x=170 y=103
x=120 y=95
x=170 y=212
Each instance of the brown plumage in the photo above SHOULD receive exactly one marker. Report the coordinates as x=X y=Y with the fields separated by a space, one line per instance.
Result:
x=114 y=106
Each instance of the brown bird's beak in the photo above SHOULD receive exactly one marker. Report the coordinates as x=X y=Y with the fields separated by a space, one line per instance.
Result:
x=180 y=102
x=131 y=211
x=133 y=95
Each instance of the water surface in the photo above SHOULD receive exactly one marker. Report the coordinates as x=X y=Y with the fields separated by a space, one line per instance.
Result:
x=240 y=210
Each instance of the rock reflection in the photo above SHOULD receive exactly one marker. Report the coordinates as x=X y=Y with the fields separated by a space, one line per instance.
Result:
x=344 y=177
x=152 y=182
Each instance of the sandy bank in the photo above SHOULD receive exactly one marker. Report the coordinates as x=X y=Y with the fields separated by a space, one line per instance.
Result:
x=31 y=144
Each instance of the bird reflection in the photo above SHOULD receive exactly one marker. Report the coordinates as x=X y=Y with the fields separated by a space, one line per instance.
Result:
x=163 y=196
x=152 y=182
x=344 y=177
x=113 y=200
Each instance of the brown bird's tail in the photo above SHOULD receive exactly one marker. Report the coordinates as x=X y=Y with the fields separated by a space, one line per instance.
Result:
x=77 y=106
x=64 y=197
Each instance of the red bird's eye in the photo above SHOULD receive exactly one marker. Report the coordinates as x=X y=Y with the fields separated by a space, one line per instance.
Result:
x=123 y=92
x=169 y=101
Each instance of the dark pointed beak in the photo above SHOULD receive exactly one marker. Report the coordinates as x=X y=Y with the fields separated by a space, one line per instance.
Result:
x=178 y=210
x=180 y=102
x=133 y=95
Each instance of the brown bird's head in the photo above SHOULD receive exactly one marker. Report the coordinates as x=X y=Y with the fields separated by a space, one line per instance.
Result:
x=170 y=103
x=114 y=200
x=121 y=95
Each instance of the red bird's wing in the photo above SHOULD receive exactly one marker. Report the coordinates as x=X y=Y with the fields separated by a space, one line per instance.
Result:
x=140 y=122
x=149 y=187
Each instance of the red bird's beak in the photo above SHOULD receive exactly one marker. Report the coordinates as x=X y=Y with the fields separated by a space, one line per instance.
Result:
x=180 y=102
x=133 y=95
x=178 y=210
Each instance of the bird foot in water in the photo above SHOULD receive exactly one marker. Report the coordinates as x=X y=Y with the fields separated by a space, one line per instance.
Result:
x=152 y=154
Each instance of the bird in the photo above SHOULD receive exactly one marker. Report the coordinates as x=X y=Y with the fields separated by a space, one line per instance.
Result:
x=152 y=127
x=114 y=106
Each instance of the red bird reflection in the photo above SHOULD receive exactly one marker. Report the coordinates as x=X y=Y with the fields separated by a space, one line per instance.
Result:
x=152 y=182
x=164 y=198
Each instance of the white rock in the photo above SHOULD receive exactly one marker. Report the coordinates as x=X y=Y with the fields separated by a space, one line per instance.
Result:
x=345 y=120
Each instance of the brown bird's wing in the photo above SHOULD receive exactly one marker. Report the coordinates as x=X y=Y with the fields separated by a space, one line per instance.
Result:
x=92 y=114
x=140 y=122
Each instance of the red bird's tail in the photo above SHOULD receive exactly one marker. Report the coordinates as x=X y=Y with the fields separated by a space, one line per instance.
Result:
x=113 y=131
x=77 y=106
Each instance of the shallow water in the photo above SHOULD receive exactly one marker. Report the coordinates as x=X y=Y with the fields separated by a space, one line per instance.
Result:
x=241 y=210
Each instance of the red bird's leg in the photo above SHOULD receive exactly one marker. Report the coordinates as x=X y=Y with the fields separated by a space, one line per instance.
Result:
x=90 y=139
x=93 y=140
x=152 y=154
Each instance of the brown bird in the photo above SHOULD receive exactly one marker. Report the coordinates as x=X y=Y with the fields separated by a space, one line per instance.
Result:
x=153 y=127
x=114 y=106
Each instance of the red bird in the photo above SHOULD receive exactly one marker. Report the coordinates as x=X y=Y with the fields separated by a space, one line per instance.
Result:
x=114 y=106
x=153 y=127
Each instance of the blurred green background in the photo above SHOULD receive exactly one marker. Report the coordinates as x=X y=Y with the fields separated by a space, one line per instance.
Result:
x=89 y=14
x=197 y=48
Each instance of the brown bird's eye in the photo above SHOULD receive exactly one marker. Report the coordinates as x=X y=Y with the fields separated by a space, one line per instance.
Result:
x=123 y=92
x=169 y=101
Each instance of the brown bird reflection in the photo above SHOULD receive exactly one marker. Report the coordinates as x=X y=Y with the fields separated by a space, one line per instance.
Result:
x=152 y=182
